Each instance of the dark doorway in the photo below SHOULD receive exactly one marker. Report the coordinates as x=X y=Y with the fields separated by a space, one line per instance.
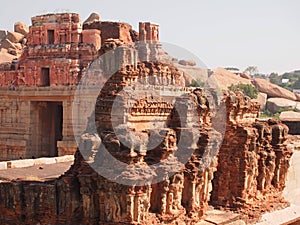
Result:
x=294 y=127
x=45 y=77
x=50 y=35
x=46 y=126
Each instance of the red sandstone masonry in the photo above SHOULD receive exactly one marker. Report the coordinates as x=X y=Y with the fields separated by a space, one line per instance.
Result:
x=253 y=159
x=56 y=56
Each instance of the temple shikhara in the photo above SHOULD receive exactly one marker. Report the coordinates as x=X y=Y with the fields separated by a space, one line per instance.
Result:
x=150 y=149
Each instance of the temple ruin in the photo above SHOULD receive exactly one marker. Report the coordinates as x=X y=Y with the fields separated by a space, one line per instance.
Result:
x=175 y=157
x=37 y=88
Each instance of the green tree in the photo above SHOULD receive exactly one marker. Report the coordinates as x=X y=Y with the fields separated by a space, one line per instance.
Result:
x=275 y=78
x=247 y=89
x=196 y=83
x=252 y=70
x=296 y=85
x=232 y=68
x=293 y=80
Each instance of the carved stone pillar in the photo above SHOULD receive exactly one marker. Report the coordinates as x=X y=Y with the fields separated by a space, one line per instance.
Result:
x=130 y=206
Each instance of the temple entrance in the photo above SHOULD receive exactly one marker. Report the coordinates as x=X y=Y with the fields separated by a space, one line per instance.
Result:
x=46 y=126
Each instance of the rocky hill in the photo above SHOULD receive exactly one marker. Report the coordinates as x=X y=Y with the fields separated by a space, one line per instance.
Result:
x=13 y=42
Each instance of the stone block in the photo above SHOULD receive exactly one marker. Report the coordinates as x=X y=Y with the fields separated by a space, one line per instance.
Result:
x=14 y=37
x=12 y=142
x=66 y=158
x=92 y=36
x=276 y=104
x=92 y=18
x=262 y=99
x=20 y=163
x=273 y=90
x=44 y=161
x=3 y=165
x=66 y=144
x=7 y=44
x=21 y=28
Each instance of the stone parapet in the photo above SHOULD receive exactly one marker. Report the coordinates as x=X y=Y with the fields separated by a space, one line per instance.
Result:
x=22 y=163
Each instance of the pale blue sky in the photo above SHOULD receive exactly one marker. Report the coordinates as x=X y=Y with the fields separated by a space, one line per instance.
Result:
x=264 y=33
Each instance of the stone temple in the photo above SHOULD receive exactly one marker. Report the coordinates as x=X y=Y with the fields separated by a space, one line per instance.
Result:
x=148 y=150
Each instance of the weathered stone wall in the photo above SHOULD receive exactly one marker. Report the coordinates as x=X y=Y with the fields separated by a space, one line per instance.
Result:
x=114 y=30
x=57 y=45
x=14 y=127
x=92 y=36
x=151 y=79
x=36 y=202
x=58 y=53
x=66 y=28
x=89 y=198
x=253 y=160
x=64 y=62
x=148 y=32
x=26 y=116
x=242 y=178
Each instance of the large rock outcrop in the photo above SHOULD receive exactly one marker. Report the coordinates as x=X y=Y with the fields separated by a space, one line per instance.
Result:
x=273 y=90
x=225 y=78
x=3 y=34
x=262 y=100
x=5 y=56
x=292 y=120
x=187 y=62
x=21 y=28
x=94 y=17
x=279 y=104
x=14 y=37
x=12 y=43
x=290 y=116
